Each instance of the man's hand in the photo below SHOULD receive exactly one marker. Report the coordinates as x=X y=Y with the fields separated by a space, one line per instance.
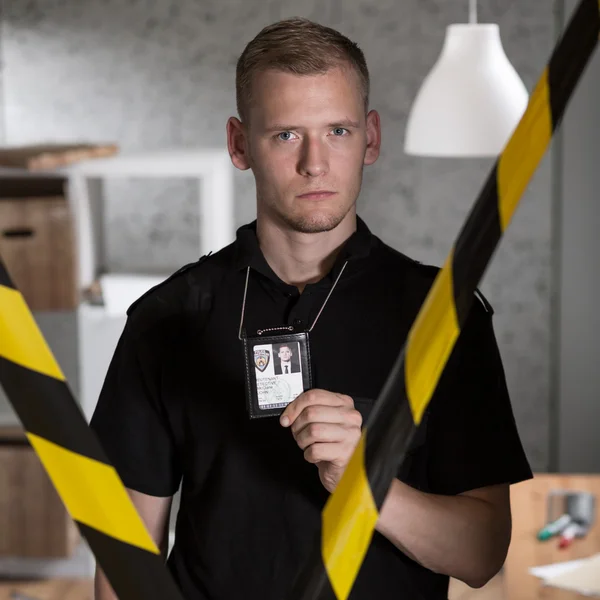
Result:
x=327 y=427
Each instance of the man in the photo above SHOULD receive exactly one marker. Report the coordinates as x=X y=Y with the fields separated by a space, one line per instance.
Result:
x=285 y=365
x=173 y=410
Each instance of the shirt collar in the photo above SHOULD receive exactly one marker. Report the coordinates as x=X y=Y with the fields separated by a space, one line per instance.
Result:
x=249 y=254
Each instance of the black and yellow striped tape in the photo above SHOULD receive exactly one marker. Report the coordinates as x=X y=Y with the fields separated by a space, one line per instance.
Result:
x=92 y=490
x=71 y=454
x=352 y=511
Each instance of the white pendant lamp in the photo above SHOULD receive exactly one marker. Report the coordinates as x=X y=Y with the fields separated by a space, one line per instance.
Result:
x=472 y=99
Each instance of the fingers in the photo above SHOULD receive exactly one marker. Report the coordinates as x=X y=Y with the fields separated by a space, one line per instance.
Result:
x=327 y=452
x=312 y=398
x=314 y=433
x=316 y=414
x=325 y=425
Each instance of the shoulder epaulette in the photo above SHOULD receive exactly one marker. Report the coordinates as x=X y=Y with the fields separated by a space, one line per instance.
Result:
x=171 y=277
x=483 y=300
x=486 y=305
x=433 y=270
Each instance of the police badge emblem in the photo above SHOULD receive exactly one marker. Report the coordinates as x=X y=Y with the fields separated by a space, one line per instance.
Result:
x=261 y=359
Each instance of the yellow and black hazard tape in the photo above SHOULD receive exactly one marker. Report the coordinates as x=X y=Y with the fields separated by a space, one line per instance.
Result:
x=90 y=487
x=352 y=511
x=73 y=458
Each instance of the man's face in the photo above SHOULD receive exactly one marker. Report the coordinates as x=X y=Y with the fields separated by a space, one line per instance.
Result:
x=285 y=354
x=306 y=134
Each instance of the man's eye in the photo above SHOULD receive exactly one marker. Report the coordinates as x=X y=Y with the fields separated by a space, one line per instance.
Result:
x=338 y=129
x=284 y=133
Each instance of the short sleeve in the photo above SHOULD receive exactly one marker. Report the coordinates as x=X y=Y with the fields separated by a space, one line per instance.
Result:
x=130 y=420
x=472 y=435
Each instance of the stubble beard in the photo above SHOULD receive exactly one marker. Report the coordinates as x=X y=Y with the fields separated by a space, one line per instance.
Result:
x=316 y=224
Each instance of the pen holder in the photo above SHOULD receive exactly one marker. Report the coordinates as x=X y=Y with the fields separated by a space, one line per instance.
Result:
x=579 y=505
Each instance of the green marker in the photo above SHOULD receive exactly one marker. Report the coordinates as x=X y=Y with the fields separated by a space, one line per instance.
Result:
x=554 y=528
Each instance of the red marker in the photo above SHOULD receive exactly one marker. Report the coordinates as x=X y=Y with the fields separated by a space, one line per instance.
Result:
x=569 y=534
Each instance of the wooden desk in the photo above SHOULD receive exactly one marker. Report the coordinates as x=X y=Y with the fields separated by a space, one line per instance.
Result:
x=53 y=589
x=529 y=502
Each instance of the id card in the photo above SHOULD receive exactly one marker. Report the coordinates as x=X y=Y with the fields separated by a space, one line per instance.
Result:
x=278 y=370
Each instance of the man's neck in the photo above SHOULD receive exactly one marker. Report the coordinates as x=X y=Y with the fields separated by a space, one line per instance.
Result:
x=302 y=258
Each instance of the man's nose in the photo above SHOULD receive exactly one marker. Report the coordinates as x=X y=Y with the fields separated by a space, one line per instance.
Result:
x=314 y=159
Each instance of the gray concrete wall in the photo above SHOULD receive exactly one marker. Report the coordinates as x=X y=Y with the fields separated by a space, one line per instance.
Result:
x=578 y=244
x=155 y=74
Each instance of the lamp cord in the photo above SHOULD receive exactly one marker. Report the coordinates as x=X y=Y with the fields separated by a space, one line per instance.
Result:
x=472 y=11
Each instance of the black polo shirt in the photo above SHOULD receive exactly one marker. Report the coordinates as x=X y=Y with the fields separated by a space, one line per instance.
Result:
x=173 y=410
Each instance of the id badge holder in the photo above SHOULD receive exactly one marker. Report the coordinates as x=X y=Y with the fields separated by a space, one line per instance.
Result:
x=278 y=370
x=277 y=362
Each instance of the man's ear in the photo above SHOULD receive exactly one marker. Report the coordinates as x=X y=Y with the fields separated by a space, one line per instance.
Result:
x=237 y=144
x=373 y=137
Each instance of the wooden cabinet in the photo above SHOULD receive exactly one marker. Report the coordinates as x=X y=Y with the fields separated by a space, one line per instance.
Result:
x=33 y=520
x=37 y=245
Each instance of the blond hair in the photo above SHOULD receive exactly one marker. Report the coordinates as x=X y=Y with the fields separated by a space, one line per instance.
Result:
x=299 y=46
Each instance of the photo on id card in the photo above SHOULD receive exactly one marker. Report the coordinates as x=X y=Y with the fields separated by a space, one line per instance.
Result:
x=277 y=372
